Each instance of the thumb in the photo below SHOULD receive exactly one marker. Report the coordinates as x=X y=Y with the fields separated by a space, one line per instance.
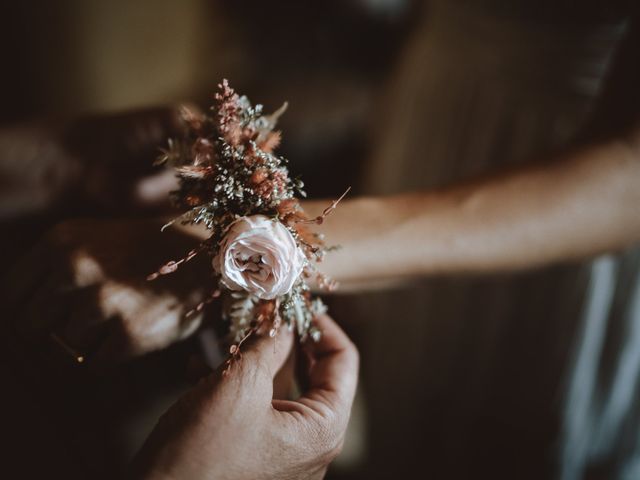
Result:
x=266 y=355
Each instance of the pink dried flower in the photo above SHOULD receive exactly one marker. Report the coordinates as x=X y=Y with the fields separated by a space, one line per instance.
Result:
x=288 y=206
x=280 y=180
x=271 y=142
x=264 y=189
x=193 y=171
x=193 y=118
x=259 y=176
x=193 y=200
x=259 y=256
x=202 y=151
x=251 y=155
x=228 y=110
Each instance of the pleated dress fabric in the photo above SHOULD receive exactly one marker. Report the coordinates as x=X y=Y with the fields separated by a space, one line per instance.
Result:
x=527 y=375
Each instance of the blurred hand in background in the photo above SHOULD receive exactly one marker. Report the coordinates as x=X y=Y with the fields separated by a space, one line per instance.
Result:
x=85 y=282
x=101 y=162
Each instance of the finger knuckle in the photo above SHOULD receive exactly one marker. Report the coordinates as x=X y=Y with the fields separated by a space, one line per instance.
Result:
x=335 y=451
x=352 y=350
x=85 y=268
x=328 y=437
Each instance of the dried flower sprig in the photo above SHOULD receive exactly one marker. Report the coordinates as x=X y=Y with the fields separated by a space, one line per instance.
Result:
x=261 y=248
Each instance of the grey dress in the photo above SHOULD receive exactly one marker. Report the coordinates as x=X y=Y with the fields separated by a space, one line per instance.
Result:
x=530 y=375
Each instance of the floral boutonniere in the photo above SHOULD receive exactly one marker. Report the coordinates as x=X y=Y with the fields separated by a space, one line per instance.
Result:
x=261 y=249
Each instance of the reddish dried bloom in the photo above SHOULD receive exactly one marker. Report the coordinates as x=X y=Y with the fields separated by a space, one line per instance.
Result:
x=325 y=282
x=228 y=110
x=292 y=219
x=193 y=171
x=271 y=142
x=280 y=180
x=251 y=155
x=194 y=119
x=264 y=189
x=291 y=213
x=307 y=237
x=193 y=200
x=202 y=151
x=288 y=206
x=259 y=176
x=266 y=186
x=265 y=310
x=249 y=132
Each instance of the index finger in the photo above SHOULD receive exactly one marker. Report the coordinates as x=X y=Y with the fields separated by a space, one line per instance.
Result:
x=333 y=375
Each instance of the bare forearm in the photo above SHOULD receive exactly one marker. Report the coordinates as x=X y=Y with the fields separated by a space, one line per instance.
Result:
x=584 y=204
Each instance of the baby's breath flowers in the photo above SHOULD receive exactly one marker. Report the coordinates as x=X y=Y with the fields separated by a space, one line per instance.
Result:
x=262 y=252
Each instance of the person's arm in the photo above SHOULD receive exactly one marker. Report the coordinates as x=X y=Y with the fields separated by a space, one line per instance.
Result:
x=583 y=204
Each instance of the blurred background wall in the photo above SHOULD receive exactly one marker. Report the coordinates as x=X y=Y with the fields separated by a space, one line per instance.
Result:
x=71 y=57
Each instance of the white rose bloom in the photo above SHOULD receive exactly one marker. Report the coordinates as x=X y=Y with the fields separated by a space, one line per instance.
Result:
x=259 y=255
